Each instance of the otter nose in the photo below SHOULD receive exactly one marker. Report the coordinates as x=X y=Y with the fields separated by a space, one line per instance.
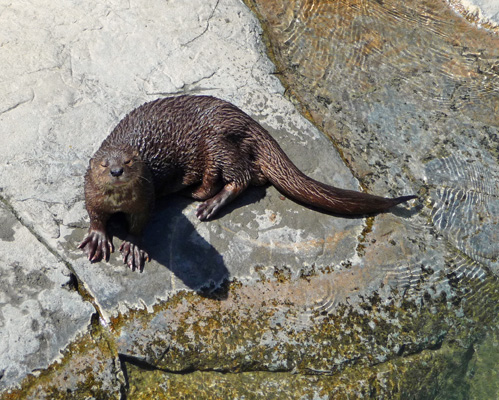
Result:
x=117 y=172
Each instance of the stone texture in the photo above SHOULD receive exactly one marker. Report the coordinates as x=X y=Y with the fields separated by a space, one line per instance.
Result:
x=484 y=13
x=40 y=312
x=88 y=369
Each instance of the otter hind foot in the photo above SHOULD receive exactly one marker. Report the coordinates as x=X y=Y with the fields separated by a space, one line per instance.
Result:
x=210 y=207
x=97 y=246
x=133 y=255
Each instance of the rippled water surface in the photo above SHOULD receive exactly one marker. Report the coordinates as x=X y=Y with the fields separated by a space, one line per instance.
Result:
x=408 y=91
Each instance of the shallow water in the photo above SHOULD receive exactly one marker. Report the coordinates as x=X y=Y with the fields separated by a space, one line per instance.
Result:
x=408 y=91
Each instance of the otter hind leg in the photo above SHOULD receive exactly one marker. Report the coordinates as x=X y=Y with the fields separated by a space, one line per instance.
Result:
x=231 y=168
x=210 y=207
x=210 y=186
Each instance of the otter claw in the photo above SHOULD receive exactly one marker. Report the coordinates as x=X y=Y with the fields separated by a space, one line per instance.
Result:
x=133 y=256
x=97 y=246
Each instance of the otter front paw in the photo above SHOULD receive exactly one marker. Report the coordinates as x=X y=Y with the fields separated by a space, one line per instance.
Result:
x=97 y=245
x=133 y=256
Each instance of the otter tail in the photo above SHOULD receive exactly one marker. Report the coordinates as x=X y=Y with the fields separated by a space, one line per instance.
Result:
x=289 y=180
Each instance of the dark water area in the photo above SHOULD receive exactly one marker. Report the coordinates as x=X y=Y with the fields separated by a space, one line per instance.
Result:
x=408 y=92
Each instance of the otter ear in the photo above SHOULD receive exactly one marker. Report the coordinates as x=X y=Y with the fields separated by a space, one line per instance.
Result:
x=92 y=163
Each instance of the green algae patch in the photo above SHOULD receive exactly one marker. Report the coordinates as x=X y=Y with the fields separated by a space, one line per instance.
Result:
x=266 y=327
x=421 y=376
x=483 y=374
x=88 y=368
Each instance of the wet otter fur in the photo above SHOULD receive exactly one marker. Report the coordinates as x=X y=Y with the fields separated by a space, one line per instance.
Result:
x=205 y=147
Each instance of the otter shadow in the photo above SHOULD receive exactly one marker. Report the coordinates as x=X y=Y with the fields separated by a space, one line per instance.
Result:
x=173 y=241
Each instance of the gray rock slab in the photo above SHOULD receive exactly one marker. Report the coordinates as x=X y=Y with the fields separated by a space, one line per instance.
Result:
x=72 y=73
x=39 y=312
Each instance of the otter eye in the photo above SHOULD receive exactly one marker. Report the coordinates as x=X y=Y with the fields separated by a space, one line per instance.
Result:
x=128 y=161
x=104 y=164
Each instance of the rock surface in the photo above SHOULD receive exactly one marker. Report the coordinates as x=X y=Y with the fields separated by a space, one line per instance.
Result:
x=40 y=310
x=387 y=305
x=484 y=13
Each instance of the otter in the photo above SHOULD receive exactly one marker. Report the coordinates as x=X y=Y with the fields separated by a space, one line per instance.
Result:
x=206 y=148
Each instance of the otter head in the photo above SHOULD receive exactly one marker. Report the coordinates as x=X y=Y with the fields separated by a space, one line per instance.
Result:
x=115 y=168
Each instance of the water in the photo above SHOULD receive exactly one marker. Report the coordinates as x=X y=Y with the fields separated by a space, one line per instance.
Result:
x=408 y=91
